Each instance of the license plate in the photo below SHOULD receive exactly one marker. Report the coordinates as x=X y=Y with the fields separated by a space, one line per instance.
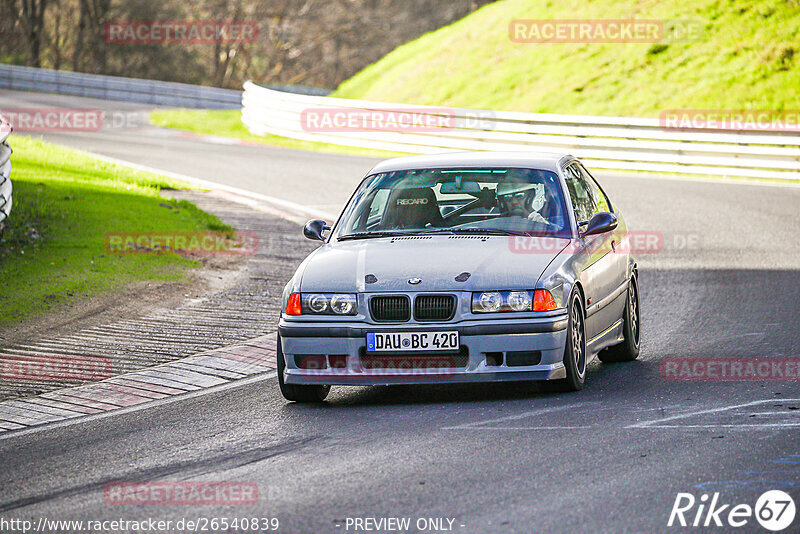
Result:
x=412 y=341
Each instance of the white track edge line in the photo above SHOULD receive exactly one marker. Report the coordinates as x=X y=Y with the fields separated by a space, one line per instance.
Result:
x=275 y=201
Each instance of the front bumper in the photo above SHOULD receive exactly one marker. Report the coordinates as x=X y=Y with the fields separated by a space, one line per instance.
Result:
x=497 y=350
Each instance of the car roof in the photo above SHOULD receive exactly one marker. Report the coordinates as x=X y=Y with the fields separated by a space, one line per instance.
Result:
x=534 y=160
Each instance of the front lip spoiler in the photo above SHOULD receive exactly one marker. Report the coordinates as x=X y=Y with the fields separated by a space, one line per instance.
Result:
x=555 y=372
x=556 y=325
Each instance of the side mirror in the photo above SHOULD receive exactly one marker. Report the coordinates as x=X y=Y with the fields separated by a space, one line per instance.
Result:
x=314 y=228
x=600 y=223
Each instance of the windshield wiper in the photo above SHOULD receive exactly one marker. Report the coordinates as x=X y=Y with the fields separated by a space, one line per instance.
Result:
x=368 y=235
x=439 y=231
x=485 y=231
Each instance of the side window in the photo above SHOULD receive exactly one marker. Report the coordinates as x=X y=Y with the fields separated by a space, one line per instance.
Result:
x=580 y=194
x=600 y=199
x=378 y=205
x=370 y=212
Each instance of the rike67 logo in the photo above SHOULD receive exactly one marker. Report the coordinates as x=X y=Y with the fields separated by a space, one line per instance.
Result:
x=774 y=510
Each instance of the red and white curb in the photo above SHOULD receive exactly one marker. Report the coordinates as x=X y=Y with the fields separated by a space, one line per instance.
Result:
x=201 y=371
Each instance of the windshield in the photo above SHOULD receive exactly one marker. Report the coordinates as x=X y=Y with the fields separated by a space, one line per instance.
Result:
x=491 y=201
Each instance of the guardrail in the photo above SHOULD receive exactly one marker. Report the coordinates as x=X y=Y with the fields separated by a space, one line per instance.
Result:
x=130 y=89
x=620 y=143
x=5 y=171
x=118 y=88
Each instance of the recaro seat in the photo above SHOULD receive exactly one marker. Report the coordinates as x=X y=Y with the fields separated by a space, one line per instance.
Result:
x=412 y=208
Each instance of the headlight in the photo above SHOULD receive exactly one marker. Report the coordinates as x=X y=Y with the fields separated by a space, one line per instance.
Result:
x=327 y=304
x=317 y=303
x=519 y=300
x=343 y=304
x=512 y=301
x=489 y=302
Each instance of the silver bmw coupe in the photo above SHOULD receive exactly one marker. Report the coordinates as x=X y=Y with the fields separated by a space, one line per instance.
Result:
x=462 y=267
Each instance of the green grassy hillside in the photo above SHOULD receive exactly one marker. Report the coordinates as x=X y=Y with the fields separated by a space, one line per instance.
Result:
x=747 y=56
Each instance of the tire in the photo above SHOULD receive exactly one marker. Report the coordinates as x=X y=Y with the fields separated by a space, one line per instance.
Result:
x=297 y=393
x=575 y=349
x=628 y=350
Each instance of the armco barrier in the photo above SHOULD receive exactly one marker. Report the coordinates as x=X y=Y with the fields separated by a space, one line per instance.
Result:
x=5 y=171
x=603 y=142
x=118 y=88
x=129 y=89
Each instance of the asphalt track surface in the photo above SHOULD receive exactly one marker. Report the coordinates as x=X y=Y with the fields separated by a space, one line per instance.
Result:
x=493 y=458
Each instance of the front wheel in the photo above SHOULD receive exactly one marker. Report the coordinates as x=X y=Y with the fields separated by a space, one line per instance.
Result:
x=628 y=350
x=575 y=349
x=295 y=392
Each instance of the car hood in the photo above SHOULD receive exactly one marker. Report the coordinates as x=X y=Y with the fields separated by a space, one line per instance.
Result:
x=494 y=262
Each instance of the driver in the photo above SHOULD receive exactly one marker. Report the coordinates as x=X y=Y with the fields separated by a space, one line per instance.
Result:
x=521 y=200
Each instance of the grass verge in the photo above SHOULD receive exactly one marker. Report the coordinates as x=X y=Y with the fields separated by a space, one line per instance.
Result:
x=52 y=250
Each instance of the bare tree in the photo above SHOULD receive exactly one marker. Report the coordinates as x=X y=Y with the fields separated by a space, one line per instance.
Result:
x=92 y=15
x=32 y=16
x=308 y=42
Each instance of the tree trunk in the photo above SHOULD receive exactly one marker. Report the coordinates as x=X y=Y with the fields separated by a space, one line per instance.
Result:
x=33 y=18
x=77 y=54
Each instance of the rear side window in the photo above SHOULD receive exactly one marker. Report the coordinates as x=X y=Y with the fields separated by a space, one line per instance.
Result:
x=586 y=196
x=600 y=199
x=580 y=194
